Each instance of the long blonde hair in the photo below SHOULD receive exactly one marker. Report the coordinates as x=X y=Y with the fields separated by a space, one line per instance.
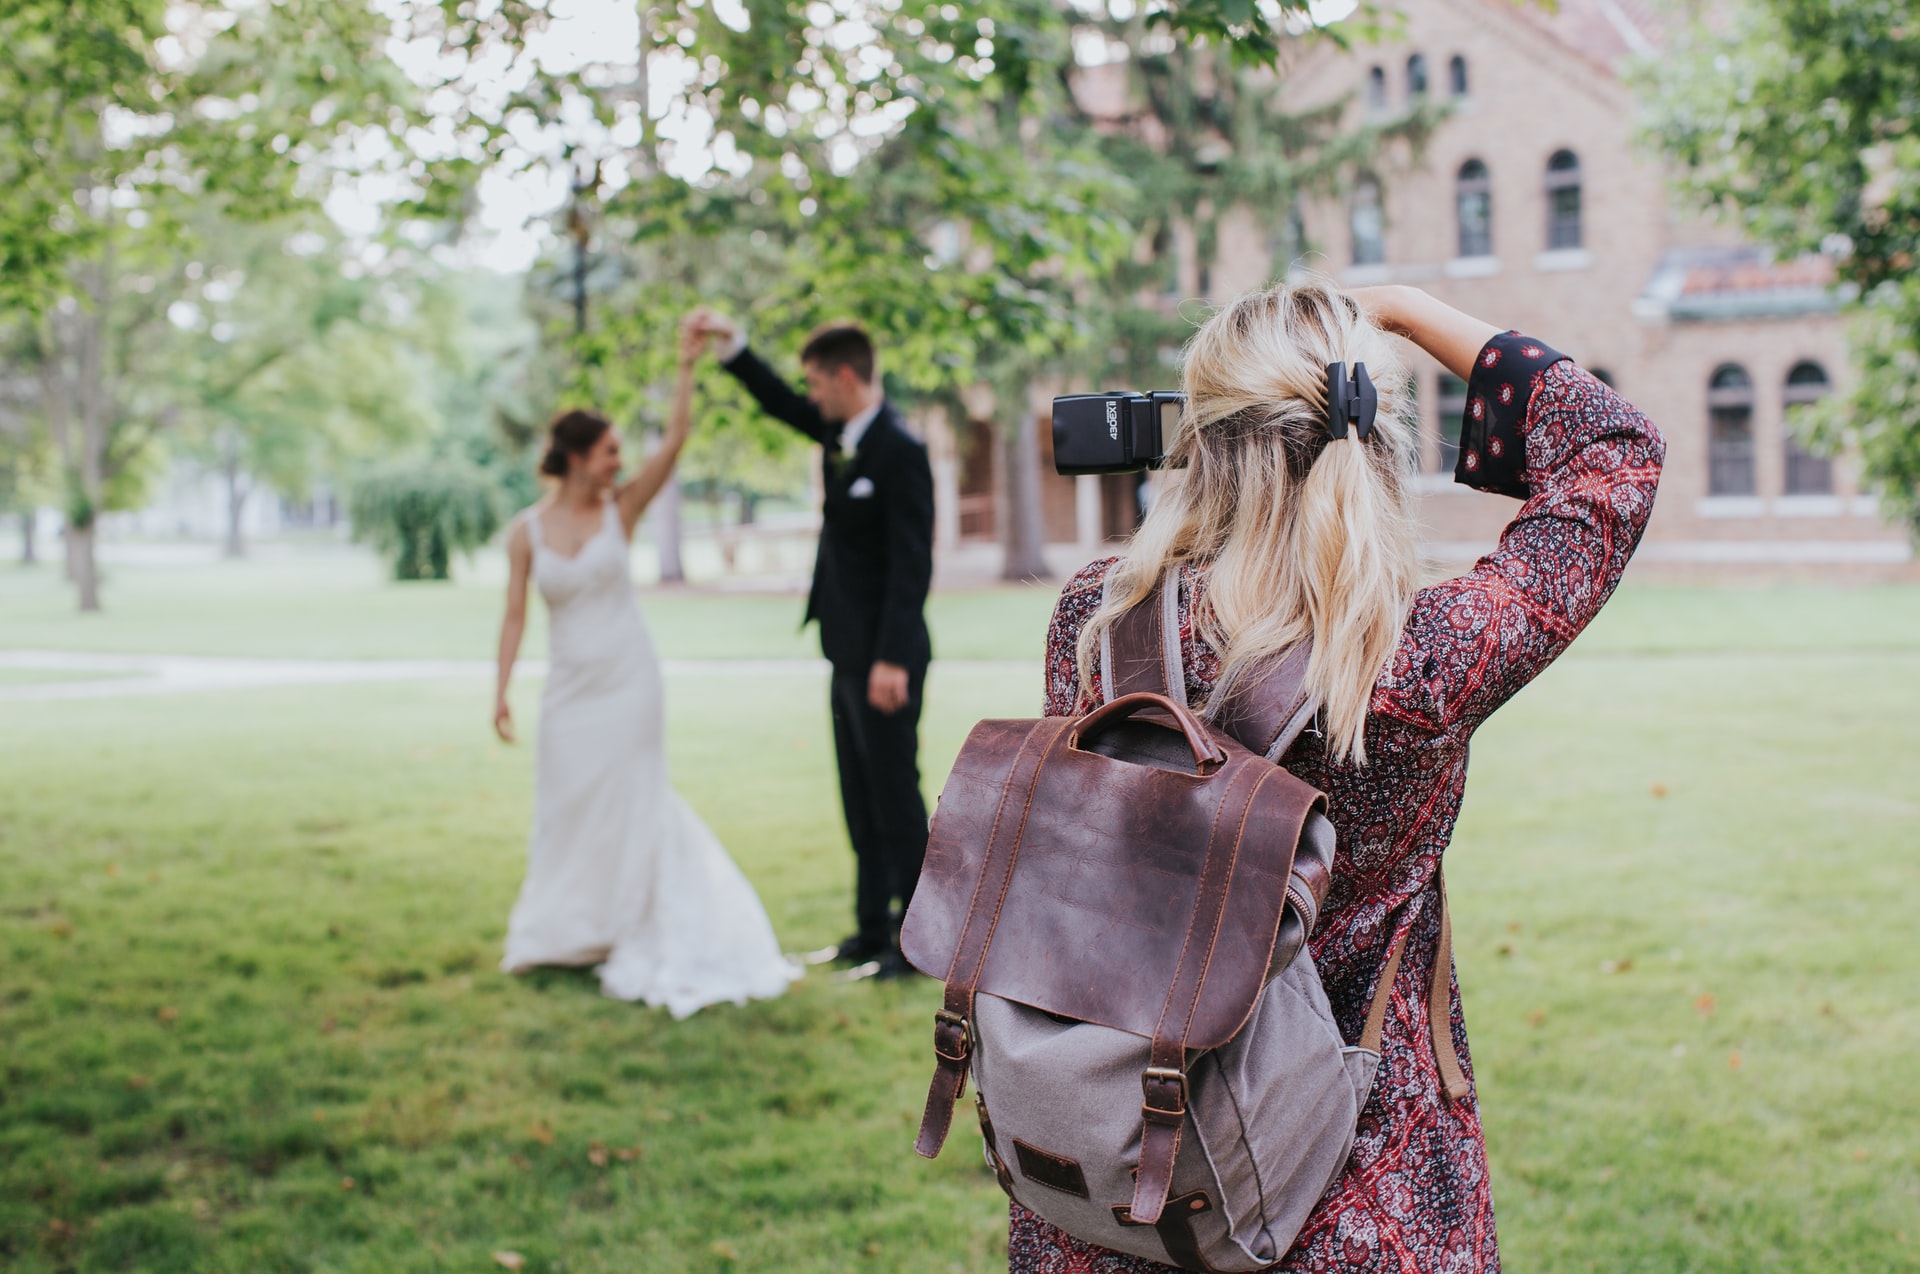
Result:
x=1308 y=537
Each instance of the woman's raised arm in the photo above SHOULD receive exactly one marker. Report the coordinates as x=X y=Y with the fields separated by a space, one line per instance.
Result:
x=634 y=495
x=1585 y=463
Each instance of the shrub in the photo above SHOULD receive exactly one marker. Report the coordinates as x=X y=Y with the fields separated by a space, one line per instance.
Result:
x=420 y=513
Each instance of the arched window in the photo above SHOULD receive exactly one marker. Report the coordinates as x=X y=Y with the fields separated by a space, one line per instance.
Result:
x=1563 y=201
x=1457 y=76
x=1473 y=206
x=1369 y=223
x=1807 y=474
x=1452 y=406
x=1377 y=89
x=1416 y=76
x=1730 y=431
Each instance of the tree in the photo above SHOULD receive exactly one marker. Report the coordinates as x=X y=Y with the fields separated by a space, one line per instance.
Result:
x=283 y=364
x=122 y=122
x=1796 y=119
x=930 y=169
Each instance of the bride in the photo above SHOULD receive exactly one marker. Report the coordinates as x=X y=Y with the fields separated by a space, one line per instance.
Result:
x=620 y=871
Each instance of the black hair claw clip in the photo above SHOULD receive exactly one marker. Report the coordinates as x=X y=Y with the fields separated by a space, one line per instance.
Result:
x=1354 y=402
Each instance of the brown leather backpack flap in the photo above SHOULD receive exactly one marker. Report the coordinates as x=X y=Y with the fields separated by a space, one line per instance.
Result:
x=962 y=824
x=1103 y=903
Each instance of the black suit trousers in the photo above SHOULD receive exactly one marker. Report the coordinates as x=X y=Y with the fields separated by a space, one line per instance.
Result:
x=879 y=759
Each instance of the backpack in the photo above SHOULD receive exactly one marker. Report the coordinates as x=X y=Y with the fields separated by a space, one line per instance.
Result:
x=1119 y=905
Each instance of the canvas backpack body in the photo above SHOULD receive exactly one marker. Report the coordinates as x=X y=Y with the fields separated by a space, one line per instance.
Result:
x=1119 y=906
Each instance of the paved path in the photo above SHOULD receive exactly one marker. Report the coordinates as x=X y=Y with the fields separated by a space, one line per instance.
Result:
x=114 y=676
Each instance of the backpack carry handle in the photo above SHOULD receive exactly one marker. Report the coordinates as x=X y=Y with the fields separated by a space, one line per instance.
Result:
x=1206 y=752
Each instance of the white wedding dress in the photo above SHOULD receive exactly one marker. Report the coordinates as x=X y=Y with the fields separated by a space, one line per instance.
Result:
x=620 y=871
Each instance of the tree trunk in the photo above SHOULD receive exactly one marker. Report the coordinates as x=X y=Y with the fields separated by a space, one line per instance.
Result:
x=665 y=515
x=28 y=524
x=237 y=493
x=1024 y=534
x=82 y=567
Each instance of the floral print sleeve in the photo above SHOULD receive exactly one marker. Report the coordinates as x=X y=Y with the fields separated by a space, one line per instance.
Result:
x=1587 y=465
x=1078 y=600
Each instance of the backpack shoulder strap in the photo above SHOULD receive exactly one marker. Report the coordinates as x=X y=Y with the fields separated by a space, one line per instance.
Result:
x=1140 y=651
x=1266 y=705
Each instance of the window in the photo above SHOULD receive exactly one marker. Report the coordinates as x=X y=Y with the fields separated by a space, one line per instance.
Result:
x=1416 y=77
x=1457 y=76
x=1473 y=204
x=1563 y=201
x=1453 y=408
x=1730 y=432
x=1369 y=223
x=1807 y=474
x=1376 y=89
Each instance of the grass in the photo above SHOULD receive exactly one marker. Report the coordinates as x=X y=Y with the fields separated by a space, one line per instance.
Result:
x=325 y=602
x=249 y=1019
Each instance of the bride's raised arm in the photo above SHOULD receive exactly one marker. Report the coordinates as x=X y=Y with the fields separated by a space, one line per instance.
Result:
x=636 y=493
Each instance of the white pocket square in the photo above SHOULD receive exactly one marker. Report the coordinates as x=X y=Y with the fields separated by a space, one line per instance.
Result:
x=861 y=489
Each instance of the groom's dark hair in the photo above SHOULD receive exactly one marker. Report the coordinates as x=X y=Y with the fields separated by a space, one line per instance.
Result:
x=837 y=345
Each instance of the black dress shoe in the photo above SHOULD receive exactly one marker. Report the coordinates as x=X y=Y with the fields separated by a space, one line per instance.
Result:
x=853 y=950
x=890 y=966
x=893 y=966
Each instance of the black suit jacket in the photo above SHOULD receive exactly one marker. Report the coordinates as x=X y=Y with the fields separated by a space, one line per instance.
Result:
x=875 y=562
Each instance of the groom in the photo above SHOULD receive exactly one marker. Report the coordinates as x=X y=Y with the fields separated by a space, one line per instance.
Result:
x=869 y=591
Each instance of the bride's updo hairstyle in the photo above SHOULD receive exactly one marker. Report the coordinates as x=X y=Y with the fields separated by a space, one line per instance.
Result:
x=1309 y=536
x=572 y=433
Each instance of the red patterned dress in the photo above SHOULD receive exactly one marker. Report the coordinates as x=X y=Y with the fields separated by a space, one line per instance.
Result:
x=1414 y=1196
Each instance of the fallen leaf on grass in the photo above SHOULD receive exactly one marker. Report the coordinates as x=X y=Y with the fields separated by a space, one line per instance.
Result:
x=1537 y=1017
x=541 y=1133
x=138 y=1081
x=597 y=1155
x=59 y=1233
x=327 y=1027
x=725 y=1250
x=1859 y=1156
x=1616 y=966
x=1733 y=1061
x=1704 y=1006
x=629 y=1154
x=202 y=1210
x=61 y=928
x=113 y=869
x=1659 y=789
x=509 y=1260
x=319 y=1116
x=168 y=1014
x=346 y=1183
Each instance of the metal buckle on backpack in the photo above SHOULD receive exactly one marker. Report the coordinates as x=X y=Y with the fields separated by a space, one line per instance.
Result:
x=952 y=1036
x=1157 y=1075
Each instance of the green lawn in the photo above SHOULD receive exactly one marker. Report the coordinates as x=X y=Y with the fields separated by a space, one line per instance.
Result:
x=328 y=602
x=249 y=1018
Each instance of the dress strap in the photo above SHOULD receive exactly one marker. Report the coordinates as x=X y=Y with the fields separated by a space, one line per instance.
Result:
x=532 y=518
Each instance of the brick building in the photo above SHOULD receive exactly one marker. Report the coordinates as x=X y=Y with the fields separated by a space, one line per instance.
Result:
x=1532 y=205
